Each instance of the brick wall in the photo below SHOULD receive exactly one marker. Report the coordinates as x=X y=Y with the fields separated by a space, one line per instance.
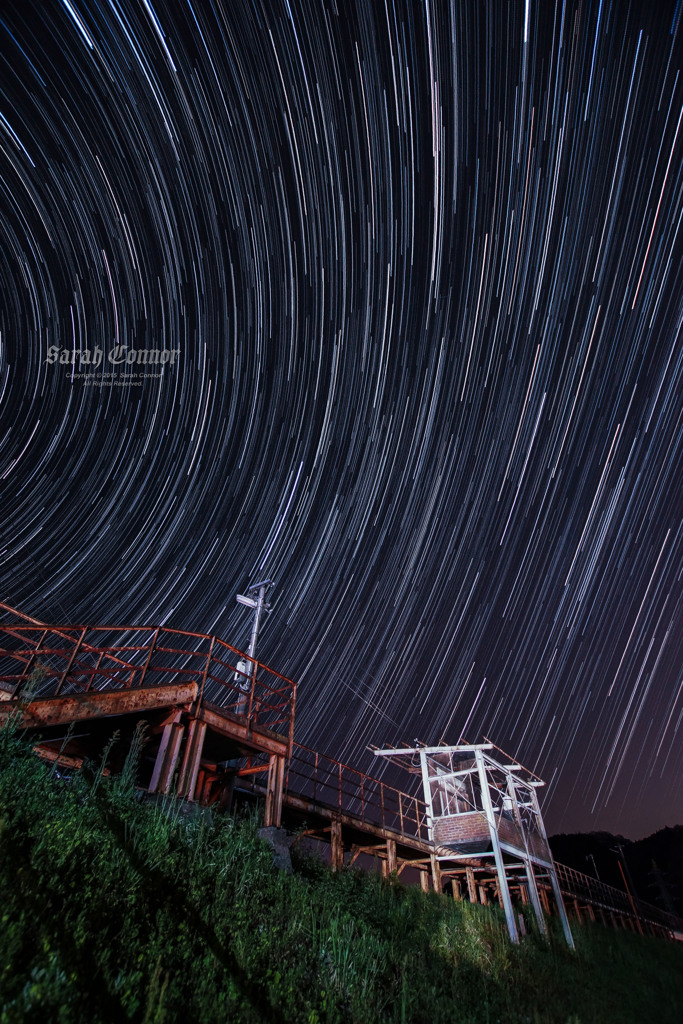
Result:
x=462 y=828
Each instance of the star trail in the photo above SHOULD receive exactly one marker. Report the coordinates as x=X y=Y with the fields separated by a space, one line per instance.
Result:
x=381 y=300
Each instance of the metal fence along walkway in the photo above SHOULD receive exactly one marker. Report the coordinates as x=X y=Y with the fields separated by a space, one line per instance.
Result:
x=218 y=722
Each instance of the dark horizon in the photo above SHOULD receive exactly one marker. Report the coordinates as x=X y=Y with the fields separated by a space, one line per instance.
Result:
x=381 y=301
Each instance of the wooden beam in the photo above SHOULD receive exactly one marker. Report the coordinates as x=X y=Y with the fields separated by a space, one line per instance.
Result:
x=237 y=727
x=193 y=754
x=274 y=787
x=75 y=707
x=336 y=846
x=167 y=757
x=543 y=896
x=63 y=760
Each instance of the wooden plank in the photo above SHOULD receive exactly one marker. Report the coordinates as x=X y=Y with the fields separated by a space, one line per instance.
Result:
x=75 y=707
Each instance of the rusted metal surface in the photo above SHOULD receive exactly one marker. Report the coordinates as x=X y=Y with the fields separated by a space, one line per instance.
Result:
x=47 y=711
x=238 y=727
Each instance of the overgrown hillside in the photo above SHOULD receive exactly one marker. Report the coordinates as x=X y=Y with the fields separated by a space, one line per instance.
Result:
x=115 y=909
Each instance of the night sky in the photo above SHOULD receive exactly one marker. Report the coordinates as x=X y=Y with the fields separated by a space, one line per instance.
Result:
x=411 y=275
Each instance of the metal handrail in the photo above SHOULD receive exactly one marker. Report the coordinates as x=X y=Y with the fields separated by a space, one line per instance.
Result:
x=86 y=658
x=349 y=790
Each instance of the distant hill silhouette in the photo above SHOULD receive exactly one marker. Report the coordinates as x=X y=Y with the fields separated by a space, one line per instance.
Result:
x=653 y=865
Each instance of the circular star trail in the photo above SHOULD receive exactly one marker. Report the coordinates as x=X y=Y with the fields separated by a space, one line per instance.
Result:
x=381 y=301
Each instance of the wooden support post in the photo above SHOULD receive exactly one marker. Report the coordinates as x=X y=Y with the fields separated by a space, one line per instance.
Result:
x=577 y=910
x=590 y=912
x=391 y=856
x=471 y=885
x=545 y=902
x=457 y=889
x=226 y=792
x=483 y=898
x=424 y=880
x=523 y=893
x=193 y=754
x=436 y=873
x=167 y=757
x=336 y=846
x=274 y=789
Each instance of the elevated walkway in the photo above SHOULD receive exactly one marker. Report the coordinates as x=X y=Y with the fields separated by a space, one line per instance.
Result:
x=75 y=685
x=211 y=729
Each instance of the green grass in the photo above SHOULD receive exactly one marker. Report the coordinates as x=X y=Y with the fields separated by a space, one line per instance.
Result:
x=114 y=908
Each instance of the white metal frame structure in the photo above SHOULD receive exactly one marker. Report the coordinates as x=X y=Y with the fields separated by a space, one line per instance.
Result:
x=482 y=806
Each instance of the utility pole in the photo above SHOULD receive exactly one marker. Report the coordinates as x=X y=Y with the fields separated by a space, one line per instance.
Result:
x=660 y=883
x=591 y=858
x=246 y=669
x=619 y=850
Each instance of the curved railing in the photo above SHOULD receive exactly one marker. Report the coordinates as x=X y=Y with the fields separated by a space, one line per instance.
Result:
x=39 y=660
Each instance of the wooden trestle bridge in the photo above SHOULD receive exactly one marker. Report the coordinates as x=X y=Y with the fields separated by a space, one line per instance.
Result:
x=216 y=722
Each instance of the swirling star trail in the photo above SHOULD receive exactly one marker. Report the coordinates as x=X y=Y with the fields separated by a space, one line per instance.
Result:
x=412 y=275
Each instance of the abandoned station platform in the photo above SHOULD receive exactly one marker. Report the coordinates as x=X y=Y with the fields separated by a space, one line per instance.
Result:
x=218 y=721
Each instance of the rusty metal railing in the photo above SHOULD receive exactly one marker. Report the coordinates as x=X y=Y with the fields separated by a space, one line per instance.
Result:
x=325 y=781
x=576 y=885
x=54 y=660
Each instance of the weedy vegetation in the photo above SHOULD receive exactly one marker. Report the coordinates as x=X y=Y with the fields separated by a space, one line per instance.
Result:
x=114 y=907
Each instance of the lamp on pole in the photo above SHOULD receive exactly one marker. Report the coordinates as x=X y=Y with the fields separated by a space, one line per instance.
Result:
x=255 y=598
